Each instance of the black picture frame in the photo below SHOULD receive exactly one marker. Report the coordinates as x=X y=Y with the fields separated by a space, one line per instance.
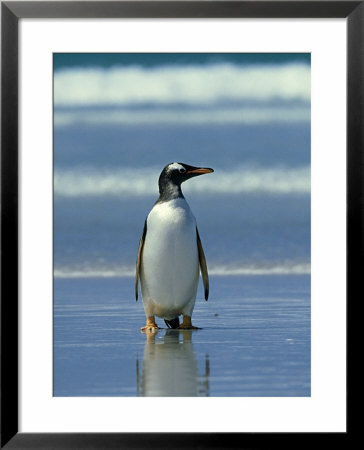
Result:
x=11 y=12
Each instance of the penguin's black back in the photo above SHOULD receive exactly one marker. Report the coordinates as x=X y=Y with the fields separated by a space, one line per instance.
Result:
x=174 y=323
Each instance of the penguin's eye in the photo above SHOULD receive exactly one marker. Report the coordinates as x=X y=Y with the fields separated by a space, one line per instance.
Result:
x=182 y=170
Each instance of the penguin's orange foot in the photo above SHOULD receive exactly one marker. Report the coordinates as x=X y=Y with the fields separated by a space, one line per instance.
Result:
x=187 y=324
x=148 y=329
x=151 y=326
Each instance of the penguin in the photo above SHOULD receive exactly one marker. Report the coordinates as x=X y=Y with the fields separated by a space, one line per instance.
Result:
x=170 y=253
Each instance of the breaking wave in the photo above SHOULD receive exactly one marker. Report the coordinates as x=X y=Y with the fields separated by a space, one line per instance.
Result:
x=208 y=84
x=83 y=182
x=199 y=116
x=217 y=270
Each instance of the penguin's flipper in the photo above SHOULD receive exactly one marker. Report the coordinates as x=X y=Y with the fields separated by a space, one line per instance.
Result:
x=139 y=258
x=203 y=266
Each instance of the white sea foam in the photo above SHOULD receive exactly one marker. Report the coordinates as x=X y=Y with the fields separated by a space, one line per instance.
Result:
x=191 y=85
x=218 y=115
x=144 y=182
x=214 y=270
x=278 y=269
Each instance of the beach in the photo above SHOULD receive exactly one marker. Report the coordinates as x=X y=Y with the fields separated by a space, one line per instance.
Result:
x=118 y=120
x=254 y=341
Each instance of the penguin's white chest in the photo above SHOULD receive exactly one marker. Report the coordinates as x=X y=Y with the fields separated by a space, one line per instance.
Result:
x=169 y=267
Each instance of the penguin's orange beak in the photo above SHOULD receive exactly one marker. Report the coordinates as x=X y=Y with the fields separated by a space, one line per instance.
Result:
x=200 y=170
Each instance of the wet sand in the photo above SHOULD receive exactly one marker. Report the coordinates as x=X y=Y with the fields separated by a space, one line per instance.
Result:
x=254 y=341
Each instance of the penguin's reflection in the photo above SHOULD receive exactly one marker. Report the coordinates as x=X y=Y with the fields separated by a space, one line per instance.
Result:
x=170 y=367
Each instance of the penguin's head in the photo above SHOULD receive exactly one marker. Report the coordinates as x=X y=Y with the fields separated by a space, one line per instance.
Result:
x=177 y=173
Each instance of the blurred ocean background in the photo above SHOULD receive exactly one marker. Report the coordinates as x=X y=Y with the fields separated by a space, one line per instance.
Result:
x=118 y=120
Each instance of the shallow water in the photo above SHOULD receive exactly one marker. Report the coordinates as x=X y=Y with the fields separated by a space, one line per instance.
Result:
x=254 y=341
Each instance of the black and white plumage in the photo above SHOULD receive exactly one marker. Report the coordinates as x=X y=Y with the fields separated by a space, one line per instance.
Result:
x=170 y=253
